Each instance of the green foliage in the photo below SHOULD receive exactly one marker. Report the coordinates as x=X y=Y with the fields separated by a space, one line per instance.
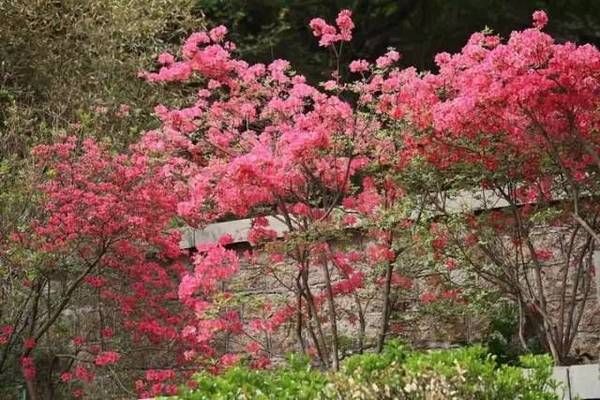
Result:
x=75 y=62
x=296 y=380
x=501 y=338
x=469 y=373
x=365 y=365
x=465 y=373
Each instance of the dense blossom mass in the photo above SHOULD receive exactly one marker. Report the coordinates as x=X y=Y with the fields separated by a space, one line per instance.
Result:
x=260 y=141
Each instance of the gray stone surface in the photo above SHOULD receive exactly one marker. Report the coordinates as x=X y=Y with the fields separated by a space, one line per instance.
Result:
x=238 y=229
x=585 y=381
x=560 y=374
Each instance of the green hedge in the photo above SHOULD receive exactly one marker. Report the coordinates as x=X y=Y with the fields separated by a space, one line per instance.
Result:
x=468 y=373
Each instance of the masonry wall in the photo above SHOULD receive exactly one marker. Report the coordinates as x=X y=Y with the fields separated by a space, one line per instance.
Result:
x=256 y=288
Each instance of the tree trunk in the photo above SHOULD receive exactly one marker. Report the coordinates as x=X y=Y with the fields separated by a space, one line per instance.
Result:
x=385 y=312
x=332 y=317
x=320 y=342
x=30 y=385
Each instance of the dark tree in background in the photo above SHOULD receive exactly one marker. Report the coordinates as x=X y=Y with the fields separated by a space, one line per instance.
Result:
x=419 y=29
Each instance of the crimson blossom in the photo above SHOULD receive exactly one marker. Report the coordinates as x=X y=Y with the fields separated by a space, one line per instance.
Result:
x=517 y=121
x=100 y=250
x=261 y=141
x=328 y=162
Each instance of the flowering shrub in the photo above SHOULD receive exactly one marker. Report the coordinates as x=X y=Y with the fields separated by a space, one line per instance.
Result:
x=103 y=228
x=106 y=358
x=516 y=121
x=258 y=141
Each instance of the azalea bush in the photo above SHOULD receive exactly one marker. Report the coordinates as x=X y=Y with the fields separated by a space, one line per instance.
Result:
x=98 y=282
x=99 y=247
x=273 y=144
x=515 y=125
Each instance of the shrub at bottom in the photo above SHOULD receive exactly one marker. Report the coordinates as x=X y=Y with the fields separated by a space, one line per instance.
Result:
x=468 y=373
